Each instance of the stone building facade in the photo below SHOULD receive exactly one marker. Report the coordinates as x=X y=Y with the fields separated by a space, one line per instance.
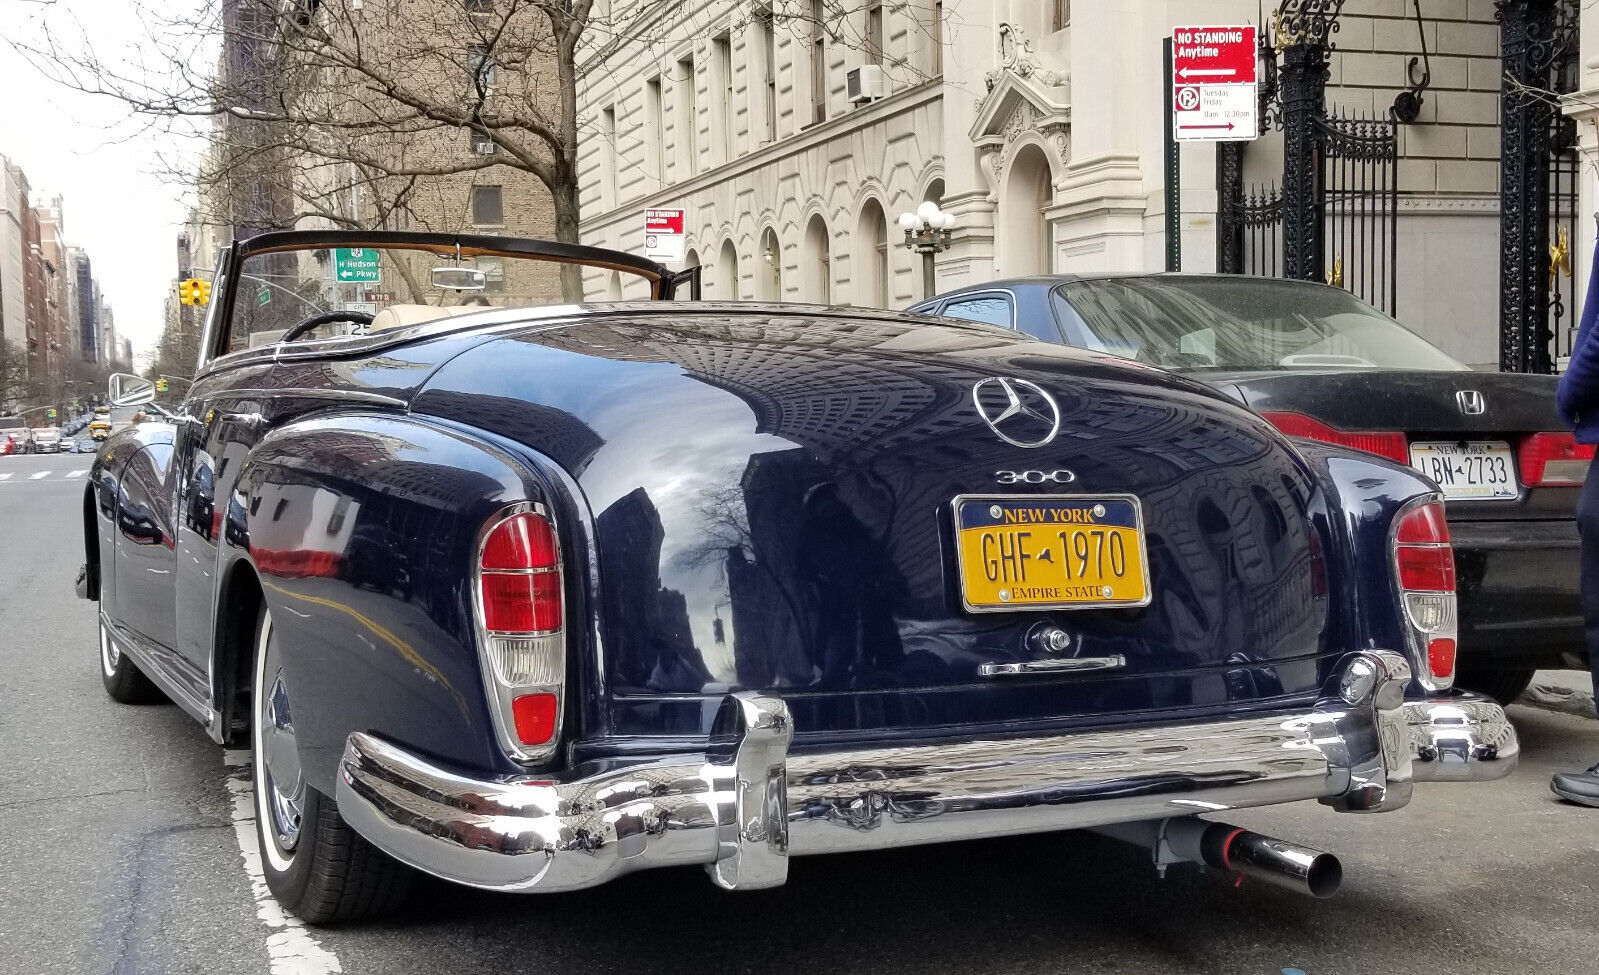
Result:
x=1037 y=123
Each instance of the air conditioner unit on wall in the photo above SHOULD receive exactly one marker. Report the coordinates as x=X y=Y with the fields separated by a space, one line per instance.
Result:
x=866 y=83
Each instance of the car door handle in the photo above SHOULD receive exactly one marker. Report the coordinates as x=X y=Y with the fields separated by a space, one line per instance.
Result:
x=1059 y=665
x=251 y=419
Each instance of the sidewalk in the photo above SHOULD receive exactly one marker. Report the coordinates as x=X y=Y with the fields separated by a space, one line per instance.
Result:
x=1568 y=691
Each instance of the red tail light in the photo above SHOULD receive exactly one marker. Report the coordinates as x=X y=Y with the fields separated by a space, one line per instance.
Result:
x=520 y=578
x=535 y=717
x=1553 y=460
x=1389 y=444
x=521 y=634
x=1424 y=570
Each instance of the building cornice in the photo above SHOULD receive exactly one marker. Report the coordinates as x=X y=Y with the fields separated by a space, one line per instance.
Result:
x=808 y=138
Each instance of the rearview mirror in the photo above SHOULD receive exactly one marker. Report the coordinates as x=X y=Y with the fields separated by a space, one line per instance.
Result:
x=459 y=279
x=130 y=390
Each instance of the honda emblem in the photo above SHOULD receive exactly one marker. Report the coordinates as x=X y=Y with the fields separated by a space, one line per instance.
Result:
x=1472 y=403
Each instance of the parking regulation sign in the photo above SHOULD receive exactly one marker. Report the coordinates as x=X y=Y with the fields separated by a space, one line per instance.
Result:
x=1214 y=77
x=663 y=235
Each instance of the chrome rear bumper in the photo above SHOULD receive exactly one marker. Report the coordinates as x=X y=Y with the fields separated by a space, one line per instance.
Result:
x=747 y=805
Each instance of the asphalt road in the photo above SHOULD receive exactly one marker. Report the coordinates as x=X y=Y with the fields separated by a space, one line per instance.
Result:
x=120 y=853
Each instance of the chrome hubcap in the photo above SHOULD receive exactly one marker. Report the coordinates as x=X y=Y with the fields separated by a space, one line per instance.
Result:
x=281 y=785
x=110 y=656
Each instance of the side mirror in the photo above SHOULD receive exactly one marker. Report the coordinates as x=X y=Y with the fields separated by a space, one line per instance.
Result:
x=130 y=390
x=459 y=279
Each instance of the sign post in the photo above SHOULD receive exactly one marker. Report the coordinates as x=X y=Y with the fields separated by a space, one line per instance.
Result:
x=1212 y=80
x=663 y=235
x=1174 y=177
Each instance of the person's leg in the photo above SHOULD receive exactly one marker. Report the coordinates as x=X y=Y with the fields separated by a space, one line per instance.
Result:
x=1583 y=787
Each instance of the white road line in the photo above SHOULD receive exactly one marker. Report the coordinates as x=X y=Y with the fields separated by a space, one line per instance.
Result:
x=6 y=476
x=291 y=949
x=77 y=473
x=38 y=474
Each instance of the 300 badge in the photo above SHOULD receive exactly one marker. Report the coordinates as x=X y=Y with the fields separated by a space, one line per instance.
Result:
x=1035 y=477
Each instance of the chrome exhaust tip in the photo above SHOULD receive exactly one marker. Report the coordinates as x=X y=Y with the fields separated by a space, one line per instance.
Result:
x=1187 y=839
x=1287 y=865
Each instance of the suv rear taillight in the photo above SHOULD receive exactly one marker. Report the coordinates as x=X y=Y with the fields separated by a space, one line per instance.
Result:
x=1424 y=569
x=1386 y=443
x=520 y=606
x=1553 y=460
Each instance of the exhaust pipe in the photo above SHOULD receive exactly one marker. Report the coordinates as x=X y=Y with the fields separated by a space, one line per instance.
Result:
x=1192 y=840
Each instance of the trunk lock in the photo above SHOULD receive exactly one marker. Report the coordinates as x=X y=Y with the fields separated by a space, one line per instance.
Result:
x=1047 y=638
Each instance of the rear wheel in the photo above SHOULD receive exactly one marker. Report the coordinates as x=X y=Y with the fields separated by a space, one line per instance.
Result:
x=123 y=679
x=1503 y=686
x=316 y=866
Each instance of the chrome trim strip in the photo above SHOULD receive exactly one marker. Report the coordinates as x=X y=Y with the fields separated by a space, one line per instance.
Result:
x=132 y=645
x=744 y=806
x=339 y=395
x=1052 y=666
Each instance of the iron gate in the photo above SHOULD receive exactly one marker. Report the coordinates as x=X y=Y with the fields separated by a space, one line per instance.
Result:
x=1357 y=197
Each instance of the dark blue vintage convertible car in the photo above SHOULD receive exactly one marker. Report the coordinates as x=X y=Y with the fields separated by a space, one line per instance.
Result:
x=530 y=597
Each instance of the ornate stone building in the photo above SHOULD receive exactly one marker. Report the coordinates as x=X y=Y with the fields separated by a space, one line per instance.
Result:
x=1037 y=123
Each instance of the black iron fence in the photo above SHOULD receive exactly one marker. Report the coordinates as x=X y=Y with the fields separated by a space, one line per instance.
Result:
x=1359 y=203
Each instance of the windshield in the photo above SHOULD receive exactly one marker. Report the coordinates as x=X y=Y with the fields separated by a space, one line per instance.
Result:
x=1243 y=324
x=359 y=290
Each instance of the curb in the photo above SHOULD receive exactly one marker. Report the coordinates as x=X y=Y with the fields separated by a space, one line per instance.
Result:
x=1564 y=700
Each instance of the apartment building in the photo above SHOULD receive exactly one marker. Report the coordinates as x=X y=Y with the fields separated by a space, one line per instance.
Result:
x=794 y=133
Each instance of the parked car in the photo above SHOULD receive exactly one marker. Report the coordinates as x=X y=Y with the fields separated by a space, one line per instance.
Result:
x=861 y=580
x=46 y=440
x=1319 y=363
x=85 y=445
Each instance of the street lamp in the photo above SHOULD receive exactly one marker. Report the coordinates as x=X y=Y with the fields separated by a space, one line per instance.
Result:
x=927 y=232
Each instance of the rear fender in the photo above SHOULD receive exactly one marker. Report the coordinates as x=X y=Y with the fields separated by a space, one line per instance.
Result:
x=1364 y=493
x=361 y=529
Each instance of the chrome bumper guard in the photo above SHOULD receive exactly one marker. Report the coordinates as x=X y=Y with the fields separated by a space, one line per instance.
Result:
x=747 y=805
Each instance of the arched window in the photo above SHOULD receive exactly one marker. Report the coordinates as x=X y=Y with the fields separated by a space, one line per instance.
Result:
x=1025 y=247
x=817 y=273
x=871 y=284
x=771 y=269
x=727 y=272
x=691 y=258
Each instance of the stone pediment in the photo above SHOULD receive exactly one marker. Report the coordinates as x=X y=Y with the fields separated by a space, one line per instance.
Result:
x=1018 y=103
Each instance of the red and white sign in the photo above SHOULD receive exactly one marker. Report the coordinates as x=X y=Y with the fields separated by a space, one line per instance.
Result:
x=663 y=235
x=1214 y=77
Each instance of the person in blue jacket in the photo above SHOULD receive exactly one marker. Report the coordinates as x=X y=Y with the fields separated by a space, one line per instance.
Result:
x=1579 y=405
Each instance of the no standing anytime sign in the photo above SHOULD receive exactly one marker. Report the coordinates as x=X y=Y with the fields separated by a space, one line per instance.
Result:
x=1214 y=74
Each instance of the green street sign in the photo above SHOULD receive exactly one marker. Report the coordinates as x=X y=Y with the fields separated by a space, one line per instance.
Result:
x=357 y=265
x=263 y=296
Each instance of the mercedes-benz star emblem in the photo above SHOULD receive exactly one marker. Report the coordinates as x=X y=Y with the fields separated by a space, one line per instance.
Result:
x=1021 y=413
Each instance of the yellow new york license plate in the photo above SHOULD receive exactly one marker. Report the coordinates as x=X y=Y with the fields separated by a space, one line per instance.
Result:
x=1051 y=552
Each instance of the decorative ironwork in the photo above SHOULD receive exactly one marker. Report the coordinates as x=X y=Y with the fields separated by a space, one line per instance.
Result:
x=1407 y=105
x=1306 y=27
x=1537 y=46
x=1359 y=206
x=1229 y=207
x=1307 y=23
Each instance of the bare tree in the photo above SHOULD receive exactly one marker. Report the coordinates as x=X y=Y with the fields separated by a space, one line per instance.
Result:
x=356 y=113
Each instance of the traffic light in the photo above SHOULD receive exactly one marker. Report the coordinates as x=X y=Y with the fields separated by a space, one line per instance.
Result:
x=194 y=292
x=49 y=414
x=160 y=385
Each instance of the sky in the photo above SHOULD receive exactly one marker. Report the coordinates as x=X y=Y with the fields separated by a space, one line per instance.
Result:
x=89 y=150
